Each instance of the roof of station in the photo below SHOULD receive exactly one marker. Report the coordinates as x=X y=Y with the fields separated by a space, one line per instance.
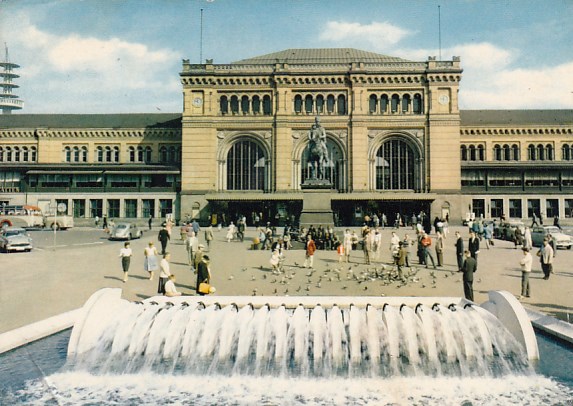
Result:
x=138 y=120
x=319 y=55
x=516 y=117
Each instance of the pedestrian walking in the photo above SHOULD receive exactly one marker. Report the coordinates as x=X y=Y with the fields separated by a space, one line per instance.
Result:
x=150 y=263
x=209 y=235
x=150 y=222
x=164 y=273
x=163 y=237
x=525 y=263
x=125 y=254
x=310 y=250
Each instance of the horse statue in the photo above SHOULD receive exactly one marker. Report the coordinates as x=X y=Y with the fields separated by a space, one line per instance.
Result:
x=317 y=150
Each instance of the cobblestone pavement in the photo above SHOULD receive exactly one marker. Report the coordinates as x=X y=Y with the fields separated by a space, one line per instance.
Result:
x=50 y=281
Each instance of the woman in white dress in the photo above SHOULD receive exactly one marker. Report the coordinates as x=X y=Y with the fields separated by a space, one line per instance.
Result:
x=151 y=263
x=231 y=232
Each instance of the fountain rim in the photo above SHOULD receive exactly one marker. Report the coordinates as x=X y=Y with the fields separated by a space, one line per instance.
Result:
x=502 y=305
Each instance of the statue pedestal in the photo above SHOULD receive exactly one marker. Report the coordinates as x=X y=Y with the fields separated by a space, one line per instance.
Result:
x=316 y=204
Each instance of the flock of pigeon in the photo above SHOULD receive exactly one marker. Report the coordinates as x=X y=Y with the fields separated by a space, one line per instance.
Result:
x=297 y=280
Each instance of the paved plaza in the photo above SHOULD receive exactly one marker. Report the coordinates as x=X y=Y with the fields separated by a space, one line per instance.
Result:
x=60 y=275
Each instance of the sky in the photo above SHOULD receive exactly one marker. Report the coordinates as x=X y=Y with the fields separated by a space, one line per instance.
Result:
x=124 y=56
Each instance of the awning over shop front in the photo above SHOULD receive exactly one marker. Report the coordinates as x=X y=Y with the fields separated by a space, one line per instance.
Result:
x=62 y=172
x=253 y=196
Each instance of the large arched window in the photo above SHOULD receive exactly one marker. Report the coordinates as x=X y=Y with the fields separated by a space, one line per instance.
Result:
x=320 y=104
x=245 y=104
x=308 y=104
x=267 y=111
x=464 y=152
x=341 y=104
x=384 y=104
x=395 y=103
x=549 y=152
x=515 y=149
x=67 y=154
x=566 y=152
x=473 y=153
x=330 y=104
x=373 y=104
x=417 y=104
x=395 y=166
x=234 y=105
x=481 y=153
x=298 y=104
x=406 y=103
x=531 y=152
x=506 y=153
x=334 y=166
x=497 y=152
x=224 y=103
x=246 y=164
x=256 y=105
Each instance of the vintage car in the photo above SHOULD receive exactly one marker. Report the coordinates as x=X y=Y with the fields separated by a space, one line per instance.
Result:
x=561 y=240
x=125 y=231
x=506 y=230
x=15 y=239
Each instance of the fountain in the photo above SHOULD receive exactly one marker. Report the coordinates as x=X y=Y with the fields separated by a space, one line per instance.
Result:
x=299 y=350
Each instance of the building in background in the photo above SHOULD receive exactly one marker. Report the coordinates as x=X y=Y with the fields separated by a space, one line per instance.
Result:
x=397 y=144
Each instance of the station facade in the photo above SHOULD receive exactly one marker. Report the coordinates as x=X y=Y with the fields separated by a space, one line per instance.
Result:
x=396 y=139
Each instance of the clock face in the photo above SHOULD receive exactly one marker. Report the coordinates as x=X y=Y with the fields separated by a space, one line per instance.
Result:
x=197 y=101
x=443 y=99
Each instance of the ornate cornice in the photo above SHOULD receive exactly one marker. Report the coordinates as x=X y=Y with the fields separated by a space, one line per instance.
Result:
x=549 y=130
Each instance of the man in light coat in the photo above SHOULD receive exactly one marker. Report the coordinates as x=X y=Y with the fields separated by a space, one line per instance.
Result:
x=525 y=263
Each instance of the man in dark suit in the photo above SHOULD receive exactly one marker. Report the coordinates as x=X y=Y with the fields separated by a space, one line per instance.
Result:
x=203 y=274
x=473 y=246
x=459 y=250
x=468 y=268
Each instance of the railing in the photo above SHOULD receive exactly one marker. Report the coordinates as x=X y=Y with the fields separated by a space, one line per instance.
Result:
x=9 y=102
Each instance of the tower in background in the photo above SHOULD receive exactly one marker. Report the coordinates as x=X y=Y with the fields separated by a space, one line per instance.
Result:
x=8 y=100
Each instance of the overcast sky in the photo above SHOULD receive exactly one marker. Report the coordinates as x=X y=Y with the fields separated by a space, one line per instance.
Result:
x=123 y=56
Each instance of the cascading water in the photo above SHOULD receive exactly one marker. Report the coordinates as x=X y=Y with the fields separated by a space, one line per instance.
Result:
x=300 y=341
x=312 y=351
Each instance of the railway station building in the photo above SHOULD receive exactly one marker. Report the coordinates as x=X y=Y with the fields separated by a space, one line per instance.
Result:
x=396 y=139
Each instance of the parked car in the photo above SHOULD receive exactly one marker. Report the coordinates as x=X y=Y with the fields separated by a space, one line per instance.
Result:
x=15 y=239
x=506 y=230
x=561 y=240
x=125 y=231
x=568 y=230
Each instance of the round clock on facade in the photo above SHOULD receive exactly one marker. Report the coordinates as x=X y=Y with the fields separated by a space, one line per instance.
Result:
x=197 y=101
x=443 y=99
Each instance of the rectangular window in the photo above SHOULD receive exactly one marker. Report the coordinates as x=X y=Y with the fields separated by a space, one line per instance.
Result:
x=79 y=208
x=504 y=179
x=533 y=206
x=515 y=208
x=148 y=208
x=478 y=207
x=473 y=178
x=131 y=208
x=113 y=208
x=496 y=206
x=96 y=207
x=568 y=208
x=552 y=208
x=165 y=207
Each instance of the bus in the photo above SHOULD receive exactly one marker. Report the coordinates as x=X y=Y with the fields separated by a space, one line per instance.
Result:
x=24 y=216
